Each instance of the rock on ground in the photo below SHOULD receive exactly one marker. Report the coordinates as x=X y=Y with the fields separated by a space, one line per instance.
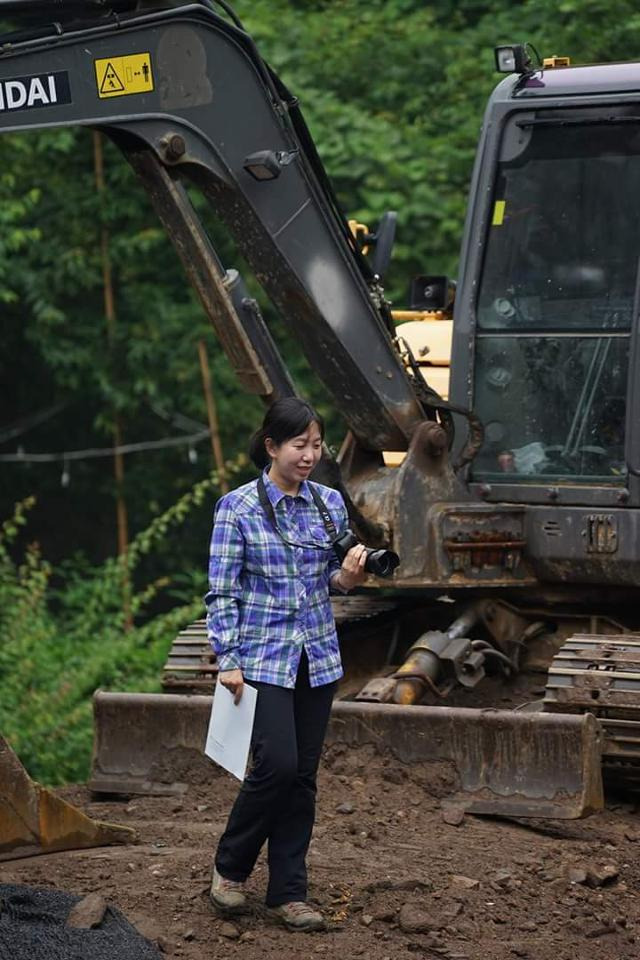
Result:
x=88 y=912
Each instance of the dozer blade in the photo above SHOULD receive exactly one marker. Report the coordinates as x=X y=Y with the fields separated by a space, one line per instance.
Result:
x=499 y=762
x=34 y=820
x=506 y=763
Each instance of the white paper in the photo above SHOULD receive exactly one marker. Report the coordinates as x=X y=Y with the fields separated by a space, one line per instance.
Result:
x=230 y=728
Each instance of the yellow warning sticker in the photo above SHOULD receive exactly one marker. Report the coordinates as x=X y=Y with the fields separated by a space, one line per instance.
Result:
x=119 y=76
x=498 y=213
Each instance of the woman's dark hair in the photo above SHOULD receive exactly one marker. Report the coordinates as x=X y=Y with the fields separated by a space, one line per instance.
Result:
x=283 y=420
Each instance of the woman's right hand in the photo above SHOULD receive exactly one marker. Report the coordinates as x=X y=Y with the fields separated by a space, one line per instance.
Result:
x=233 y=681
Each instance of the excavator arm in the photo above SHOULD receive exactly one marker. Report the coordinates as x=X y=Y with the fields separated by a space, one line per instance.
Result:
x=186 y=96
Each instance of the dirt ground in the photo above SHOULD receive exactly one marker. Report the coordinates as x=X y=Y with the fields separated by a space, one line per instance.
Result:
x=393 y=878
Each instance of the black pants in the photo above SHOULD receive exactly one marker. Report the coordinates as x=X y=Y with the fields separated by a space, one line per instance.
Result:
x=277 y=799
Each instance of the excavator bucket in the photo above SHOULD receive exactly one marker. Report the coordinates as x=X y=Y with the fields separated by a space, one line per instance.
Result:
x=34 y=820
x=497 y=761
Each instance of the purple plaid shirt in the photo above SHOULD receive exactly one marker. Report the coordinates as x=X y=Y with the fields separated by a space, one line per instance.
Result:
x=267 y=601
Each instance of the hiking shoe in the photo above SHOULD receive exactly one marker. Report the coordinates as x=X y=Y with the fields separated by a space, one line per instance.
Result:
x=227 y=895
x=298 y=915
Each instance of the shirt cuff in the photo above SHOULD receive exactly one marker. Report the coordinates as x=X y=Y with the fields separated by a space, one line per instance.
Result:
x=228 y=661
x=336 y=586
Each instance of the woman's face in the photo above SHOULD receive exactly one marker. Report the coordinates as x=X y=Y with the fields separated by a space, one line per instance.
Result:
x=294 y=459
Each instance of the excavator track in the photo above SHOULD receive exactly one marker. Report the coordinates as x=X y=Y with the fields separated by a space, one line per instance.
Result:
x=598 y=674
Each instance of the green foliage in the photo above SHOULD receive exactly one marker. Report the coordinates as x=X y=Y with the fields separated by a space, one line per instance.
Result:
x=59 y=643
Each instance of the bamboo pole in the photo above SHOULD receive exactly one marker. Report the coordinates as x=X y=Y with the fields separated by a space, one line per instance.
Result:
x=122 y=519
x=212 y=415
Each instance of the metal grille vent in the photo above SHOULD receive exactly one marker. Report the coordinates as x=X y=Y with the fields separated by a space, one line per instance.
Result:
x=551 y=528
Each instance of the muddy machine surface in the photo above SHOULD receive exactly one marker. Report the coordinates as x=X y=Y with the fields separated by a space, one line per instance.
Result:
x=519 y=542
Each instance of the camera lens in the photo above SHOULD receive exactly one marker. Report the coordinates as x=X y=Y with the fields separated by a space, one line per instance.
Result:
x=381 y=563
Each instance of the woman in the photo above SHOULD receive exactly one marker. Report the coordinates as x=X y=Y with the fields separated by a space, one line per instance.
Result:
x=269 y=620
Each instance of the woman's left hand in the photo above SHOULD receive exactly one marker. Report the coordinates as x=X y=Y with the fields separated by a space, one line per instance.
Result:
x=352 y=572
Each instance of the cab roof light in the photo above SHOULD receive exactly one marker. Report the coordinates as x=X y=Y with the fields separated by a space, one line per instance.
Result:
x=515 y=58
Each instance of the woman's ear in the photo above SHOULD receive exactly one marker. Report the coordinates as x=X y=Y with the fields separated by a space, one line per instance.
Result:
x=270 y=447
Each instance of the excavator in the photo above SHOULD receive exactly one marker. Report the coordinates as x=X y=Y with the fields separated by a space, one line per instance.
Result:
x=514 y=502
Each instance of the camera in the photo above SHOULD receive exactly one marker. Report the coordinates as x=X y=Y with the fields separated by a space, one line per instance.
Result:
x=381 y=563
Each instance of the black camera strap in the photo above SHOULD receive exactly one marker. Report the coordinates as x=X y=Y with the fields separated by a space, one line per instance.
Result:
x=329 y=525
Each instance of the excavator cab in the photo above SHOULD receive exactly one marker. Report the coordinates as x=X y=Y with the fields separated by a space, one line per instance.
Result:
x=556 y=300
x=545 y=342
x=546 y=352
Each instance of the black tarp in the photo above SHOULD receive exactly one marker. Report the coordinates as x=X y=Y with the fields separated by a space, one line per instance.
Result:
x=33 y=927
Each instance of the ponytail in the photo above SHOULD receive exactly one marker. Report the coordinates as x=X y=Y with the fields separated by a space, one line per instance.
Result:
x=257 y=450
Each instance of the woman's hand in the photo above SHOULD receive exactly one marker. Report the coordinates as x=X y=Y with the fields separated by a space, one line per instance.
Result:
x=233 y=681
x=351 y=573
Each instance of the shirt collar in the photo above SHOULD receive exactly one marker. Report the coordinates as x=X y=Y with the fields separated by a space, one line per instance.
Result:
x=275 y=494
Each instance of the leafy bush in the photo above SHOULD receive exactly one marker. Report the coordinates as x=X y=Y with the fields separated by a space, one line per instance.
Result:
x=59 y=643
